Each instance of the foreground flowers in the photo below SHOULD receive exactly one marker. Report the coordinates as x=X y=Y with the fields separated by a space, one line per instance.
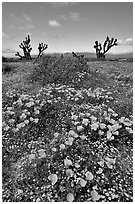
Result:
x=66 y=148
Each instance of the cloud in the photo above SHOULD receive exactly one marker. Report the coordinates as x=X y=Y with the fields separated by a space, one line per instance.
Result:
x=14 y=18
x=27 y=18
x=58 y=36
x=8 y=51
x=23 y=26
x=74 y=16
x=5 y=36
x=53 y=23
x=24 y=23
x=62 y=4
x=128 y=41
x=63 y=17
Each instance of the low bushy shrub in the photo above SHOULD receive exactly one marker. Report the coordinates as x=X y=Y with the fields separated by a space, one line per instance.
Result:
x=4 y=59
x=6 y=68
x=58 y=70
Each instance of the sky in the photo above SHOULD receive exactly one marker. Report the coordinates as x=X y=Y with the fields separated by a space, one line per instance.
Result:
x=67 y=26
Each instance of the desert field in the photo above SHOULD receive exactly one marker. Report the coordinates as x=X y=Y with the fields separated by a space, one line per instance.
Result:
x=67 y=127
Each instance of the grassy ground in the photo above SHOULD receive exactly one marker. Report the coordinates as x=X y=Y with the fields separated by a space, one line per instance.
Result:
x=67 y=131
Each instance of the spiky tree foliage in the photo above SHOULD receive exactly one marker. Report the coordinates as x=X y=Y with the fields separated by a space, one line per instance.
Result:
x=108 y=44
x=41 y=48
x=26 y=47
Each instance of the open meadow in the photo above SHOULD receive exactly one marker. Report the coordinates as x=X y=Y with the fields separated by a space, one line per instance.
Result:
x=67 y=128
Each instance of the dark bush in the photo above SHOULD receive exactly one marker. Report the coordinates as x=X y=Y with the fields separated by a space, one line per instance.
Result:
x=57 y=70
x=4 y=59
x=6 y=68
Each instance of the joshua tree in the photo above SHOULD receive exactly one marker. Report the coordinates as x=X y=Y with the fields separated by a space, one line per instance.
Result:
x=26 y=47
x=101 y=51
x=41 y=48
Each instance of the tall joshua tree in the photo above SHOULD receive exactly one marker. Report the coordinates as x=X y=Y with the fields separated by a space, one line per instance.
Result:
x=108 y=44
x=41 y=48
x=26 y=47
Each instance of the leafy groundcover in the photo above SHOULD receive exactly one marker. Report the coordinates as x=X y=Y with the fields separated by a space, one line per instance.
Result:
x=66 y=144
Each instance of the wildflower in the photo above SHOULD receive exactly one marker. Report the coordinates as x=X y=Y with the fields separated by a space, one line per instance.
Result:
x=26 y=121
x=115 y=114
x=67 y=162
x=25 y=110
x=11 y=121
x=94 y=126
x=83 y=182
x=76 y=99
x=23 y=116
x=54 y=149
x=95 y=196
x=110 y=110
x=31 y=119
x=37 y=101
x=93 y=118
x=69 y=172
x=81 y=115
x=56 y=134
x=36 y=120
x=6 y=128
x=29 y=104
x=19 y=125
x=102 y=126
x=62 y=146
x=9 y=108
x=89 y=176
x=127 y=124
x=71 y=133
x=31 y=156
x=49 y=101
x=70 y=141
x=101 y=163
x=100 y=132
x=110 y=162
x=10 y=112
x=70 y=197
x=79 y=128
x=109 y=135
x=36 y=112
x=74 y=117
x=77 y=165
x=85 y=121
x=116 y=133
x=129 y=130
x=115 y=127
x=19 y=191
x=23 y=125
x=122 y=119
x=15 y=130
x=112 y=121
x=88 y=114
x=99 y=171
x=83 y=137
x=41 y=153
x=53 y=178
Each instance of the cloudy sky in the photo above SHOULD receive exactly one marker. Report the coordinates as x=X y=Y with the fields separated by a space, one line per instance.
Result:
x=67 y=26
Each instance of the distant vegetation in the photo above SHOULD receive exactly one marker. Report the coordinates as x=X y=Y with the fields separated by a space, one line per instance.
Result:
x=100 y=50
x=58 y=70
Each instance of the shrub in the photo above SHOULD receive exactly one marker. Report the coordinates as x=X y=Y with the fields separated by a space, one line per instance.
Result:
x=6 y=68
x=4 y=59
x=57 y=70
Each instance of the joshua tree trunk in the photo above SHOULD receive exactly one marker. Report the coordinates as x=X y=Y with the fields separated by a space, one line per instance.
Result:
x=108 y=44
x=26 y=47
